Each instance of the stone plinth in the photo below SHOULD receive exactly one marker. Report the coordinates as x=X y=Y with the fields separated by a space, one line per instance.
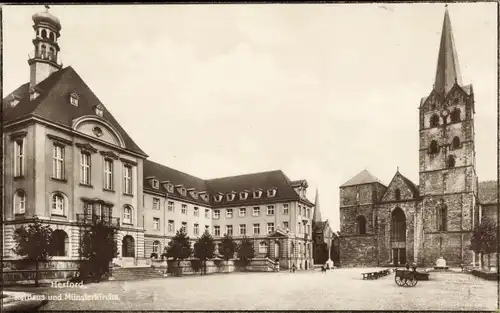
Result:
x=440 y=264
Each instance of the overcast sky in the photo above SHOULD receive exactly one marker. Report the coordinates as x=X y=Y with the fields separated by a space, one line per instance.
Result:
x=320 y=91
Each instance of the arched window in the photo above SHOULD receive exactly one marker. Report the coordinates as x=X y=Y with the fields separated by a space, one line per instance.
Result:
x=434 y=148
x=59 y=243
x=361 y=225
x=455 y=143
x=52 y=54
x=20 y=202
x=43 y=51
x=127 y=215
x=156 y=246
x=52 y=37
x=441 y=216
x=434 y=122
x=44 y=34
x=263 y=247
x=455 y=115
x=397 y=194
x=398 y=225
x=58 y=204
x=451 y=161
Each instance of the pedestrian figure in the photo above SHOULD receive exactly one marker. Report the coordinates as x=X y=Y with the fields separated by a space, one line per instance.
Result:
x=407 y=266
x=414 y=267
x=323 y=269
x=293 y=268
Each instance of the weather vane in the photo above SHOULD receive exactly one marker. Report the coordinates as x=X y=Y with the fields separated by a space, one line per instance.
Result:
x=47 y=7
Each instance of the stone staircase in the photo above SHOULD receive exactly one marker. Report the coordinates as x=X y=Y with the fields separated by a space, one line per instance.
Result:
x=136 y=273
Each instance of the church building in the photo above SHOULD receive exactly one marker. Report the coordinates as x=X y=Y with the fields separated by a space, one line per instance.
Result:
x=406 y=222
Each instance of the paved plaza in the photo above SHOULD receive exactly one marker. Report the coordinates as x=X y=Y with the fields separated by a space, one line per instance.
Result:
x=341 y=289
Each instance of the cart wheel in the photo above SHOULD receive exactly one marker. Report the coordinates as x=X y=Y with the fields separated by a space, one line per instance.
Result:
x=413 y=282
x=398 y=280
x=405 y=282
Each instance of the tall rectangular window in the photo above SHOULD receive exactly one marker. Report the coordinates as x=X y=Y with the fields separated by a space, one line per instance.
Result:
x=156 y=203
x=256 y=229
x=270 y=210
x=108 y=174
x=127 y=179
x=270 y=227
x=171 y=206
x=243 y=229
x=285 y=209
x=216 y=214
x=85 y=168
x=184 y=209
x=229 y=230
x=19 y=157
x=58 y=162
x=184 y=227
x=171 y=226
x=156 y=223
x=196 y=211
x=285 y=225
x=216 y=230
x=196 y=229
x=207 y=213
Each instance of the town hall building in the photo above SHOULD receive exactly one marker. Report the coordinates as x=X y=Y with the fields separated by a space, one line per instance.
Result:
x=68 y=161
x=418 y=223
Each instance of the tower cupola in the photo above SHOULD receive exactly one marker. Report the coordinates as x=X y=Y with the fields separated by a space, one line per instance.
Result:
x=44 y=60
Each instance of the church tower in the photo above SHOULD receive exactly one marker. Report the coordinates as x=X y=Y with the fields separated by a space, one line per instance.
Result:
x=448 y=181
x=43 y=61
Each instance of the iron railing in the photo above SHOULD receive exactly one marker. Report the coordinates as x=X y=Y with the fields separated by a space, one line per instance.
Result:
x=45 y=56
x=91 y=219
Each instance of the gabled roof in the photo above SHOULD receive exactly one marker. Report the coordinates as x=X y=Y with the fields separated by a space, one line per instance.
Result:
x=448 y=70
x=53 y=103
x=411 y=185
x=393 y=185
x=364 y=177
x=488 y=192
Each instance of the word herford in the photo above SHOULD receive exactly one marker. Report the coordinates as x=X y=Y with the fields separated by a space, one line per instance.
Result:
x=56 y=284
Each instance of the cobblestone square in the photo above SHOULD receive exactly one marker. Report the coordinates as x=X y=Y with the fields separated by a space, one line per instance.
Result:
x=341 y=289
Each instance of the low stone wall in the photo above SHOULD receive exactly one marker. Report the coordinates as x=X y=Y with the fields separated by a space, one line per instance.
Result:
x=486 y=275
x=22 y=272
x=195 y=266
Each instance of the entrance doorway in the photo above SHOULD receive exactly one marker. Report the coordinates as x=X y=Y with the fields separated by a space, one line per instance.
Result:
x=398 y=237
x=399 y=256
x=128 y=247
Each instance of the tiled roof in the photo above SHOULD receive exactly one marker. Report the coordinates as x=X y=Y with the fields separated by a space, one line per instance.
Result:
x=364 y=177
x=52 y=104
x=249 y=182
x=488 y=192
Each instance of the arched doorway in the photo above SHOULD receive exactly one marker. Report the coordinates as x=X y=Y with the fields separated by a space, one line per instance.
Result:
x=128 y=247
x=398 y=237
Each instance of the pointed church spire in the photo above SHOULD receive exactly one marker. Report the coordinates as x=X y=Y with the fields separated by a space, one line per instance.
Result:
x=448 y=70
x=317 y=212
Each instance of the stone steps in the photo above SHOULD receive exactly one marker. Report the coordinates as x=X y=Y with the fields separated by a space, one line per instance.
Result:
x=136 y=273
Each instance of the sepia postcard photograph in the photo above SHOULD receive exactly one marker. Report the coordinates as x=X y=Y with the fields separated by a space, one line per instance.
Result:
x=250 y=156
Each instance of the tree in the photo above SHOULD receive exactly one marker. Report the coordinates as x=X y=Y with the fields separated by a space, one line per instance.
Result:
x=246 y=251
x=179 y=248
x=98 y=247
x=204 y=249
x=34 y=244
x=484 y=238
x=227 y=248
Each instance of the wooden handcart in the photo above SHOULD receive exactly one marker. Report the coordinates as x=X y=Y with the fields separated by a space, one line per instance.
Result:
x=406 y=278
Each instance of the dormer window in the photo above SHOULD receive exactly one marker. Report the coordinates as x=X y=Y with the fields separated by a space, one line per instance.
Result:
x=33 y=94
x=243 y=195
x=14 y=101
x=155 y=184
x=193 y=193
x=231 y=196
x=257 y=194
x=204 y=195
x=99 y=109
x=73 y=99
x=170 y=187
x=271 y=193
x=218 y=198
x=181 y=189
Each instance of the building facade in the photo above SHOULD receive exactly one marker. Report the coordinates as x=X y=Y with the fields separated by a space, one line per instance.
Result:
x=404 y=222
x=68 y=160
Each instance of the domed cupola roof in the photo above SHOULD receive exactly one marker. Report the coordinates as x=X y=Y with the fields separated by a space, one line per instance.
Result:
x=46 y=17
